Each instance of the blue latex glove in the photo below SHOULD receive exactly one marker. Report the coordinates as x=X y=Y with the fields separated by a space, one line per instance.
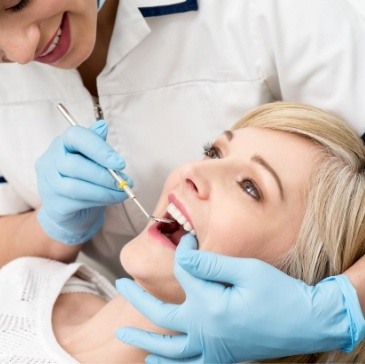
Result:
x=264 y=314
x=74 y=184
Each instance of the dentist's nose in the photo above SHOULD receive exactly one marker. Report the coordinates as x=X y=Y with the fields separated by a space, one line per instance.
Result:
x=20 y=45
x=196 y=180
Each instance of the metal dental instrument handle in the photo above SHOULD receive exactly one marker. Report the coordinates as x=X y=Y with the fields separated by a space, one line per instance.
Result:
x=122 y=184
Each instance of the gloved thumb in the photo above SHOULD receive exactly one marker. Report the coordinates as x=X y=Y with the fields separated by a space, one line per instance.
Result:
x=187 y=242
x=212 y=267
x=100 y=128
x=156 y=359
x=190 y=284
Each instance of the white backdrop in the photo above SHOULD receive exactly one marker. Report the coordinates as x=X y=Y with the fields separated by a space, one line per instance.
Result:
x=359 y=4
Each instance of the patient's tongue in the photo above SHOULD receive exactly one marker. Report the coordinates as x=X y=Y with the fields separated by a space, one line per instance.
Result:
x=177 y=235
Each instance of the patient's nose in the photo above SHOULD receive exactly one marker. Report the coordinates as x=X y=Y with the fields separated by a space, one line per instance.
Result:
x=195 y=179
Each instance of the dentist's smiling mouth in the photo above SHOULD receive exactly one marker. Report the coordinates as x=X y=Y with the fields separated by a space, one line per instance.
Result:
x=59 y=45
x=53 y=44
x=176 y=230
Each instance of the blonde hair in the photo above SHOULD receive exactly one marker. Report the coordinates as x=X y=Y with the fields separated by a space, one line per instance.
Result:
x=332 y=235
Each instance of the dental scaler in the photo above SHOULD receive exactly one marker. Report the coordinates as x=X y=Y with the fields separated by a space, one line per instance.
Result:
x=122 y=184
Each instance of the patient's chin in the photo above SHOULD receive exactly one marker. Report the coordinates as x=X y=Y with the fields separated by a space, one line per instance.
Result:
x=128 y=259
x=155 y=277
x=167 y=291
x=152 y=267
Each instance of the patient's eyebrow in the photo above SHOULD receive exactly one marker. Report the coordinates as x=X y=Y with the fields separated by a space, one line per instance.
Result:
x=228 y=134
x=258 y=159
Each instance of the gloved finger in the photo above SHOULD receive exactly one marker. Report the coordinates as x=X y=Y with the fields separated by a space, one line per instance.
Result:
x=78 y=194
x=164 y=345
x=192 y=285
x=213 y=267
x=160 y=313
x=79 y=167
x=54 y=185
x=155 y=359
x=187 y=242
x=84 y=141
x=100 y=128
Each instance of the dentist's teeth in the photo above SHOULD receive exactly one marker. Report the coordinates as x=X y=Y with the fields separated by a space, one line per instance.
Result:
x=55 y=41
x=51 y=48
x=180 y=218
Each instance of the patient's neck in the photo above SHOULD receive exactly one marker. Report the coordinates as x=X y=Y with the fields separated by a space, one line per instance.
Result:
x=85 y=326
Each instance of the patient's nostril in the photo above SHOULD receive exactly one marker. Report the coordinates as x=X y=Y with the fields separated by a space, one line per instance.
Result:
x=192 y=185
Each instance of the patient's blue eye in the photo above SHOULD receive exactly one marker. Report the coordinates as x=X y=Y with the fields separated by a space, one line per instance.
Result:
x=249 y=187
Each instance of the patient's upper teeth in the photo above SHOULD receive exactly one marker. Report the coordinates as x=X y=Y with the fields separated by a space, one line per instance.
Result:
x=176 y=214
x=187 y=226
x=180 y=218
x=171 y=209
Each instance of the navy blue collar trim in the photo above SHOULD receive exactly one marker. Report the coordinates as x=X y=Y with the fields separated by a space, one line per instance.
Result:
x=363 y=137
x=188 y=5
x=2 y=180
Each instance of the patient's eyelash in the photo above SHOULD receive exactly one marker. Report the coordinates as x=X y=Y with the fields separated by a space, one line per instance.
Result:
x=211 y=151
x=246 y=184
x=19 y=7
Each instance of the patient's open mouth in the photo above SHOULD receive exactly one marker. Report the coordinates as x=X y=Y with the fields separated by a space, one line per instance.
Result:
x=178 y=228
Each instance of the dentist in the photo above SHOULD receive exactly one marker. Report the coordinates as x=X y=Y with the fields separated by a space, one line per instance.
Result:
x=167 y=75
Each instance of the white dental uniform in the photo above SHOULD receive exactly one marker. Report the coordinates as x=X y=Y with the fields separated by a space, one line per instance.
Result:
x=29 y=288
x=175 y=81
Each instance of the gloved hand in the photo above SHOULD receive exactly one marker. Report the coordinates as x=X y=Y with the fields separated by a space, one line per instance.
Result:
x=263 y=314
x=74 y=184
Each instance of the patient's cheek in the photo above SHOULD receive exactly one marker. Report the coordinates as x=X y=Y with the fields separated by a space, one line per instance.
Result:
x=126 y=257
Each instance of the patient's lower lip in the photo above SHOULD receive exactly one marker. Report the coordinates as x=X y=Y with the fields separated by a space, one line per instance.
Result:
x=62 y=46
x=160 y=238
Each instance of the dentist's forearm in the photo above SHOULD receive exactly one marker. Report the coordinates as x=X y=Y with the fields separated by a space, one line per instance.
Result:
x=356 y=274
x=21 y=235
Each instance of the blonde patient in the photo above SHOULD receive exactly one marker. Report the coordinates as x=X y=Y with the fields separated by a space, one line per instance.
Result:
x=285 y=185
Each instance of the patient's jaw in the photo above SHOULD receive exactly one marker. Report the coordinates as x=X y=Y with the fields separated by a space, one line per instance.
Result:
x=246 y=198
